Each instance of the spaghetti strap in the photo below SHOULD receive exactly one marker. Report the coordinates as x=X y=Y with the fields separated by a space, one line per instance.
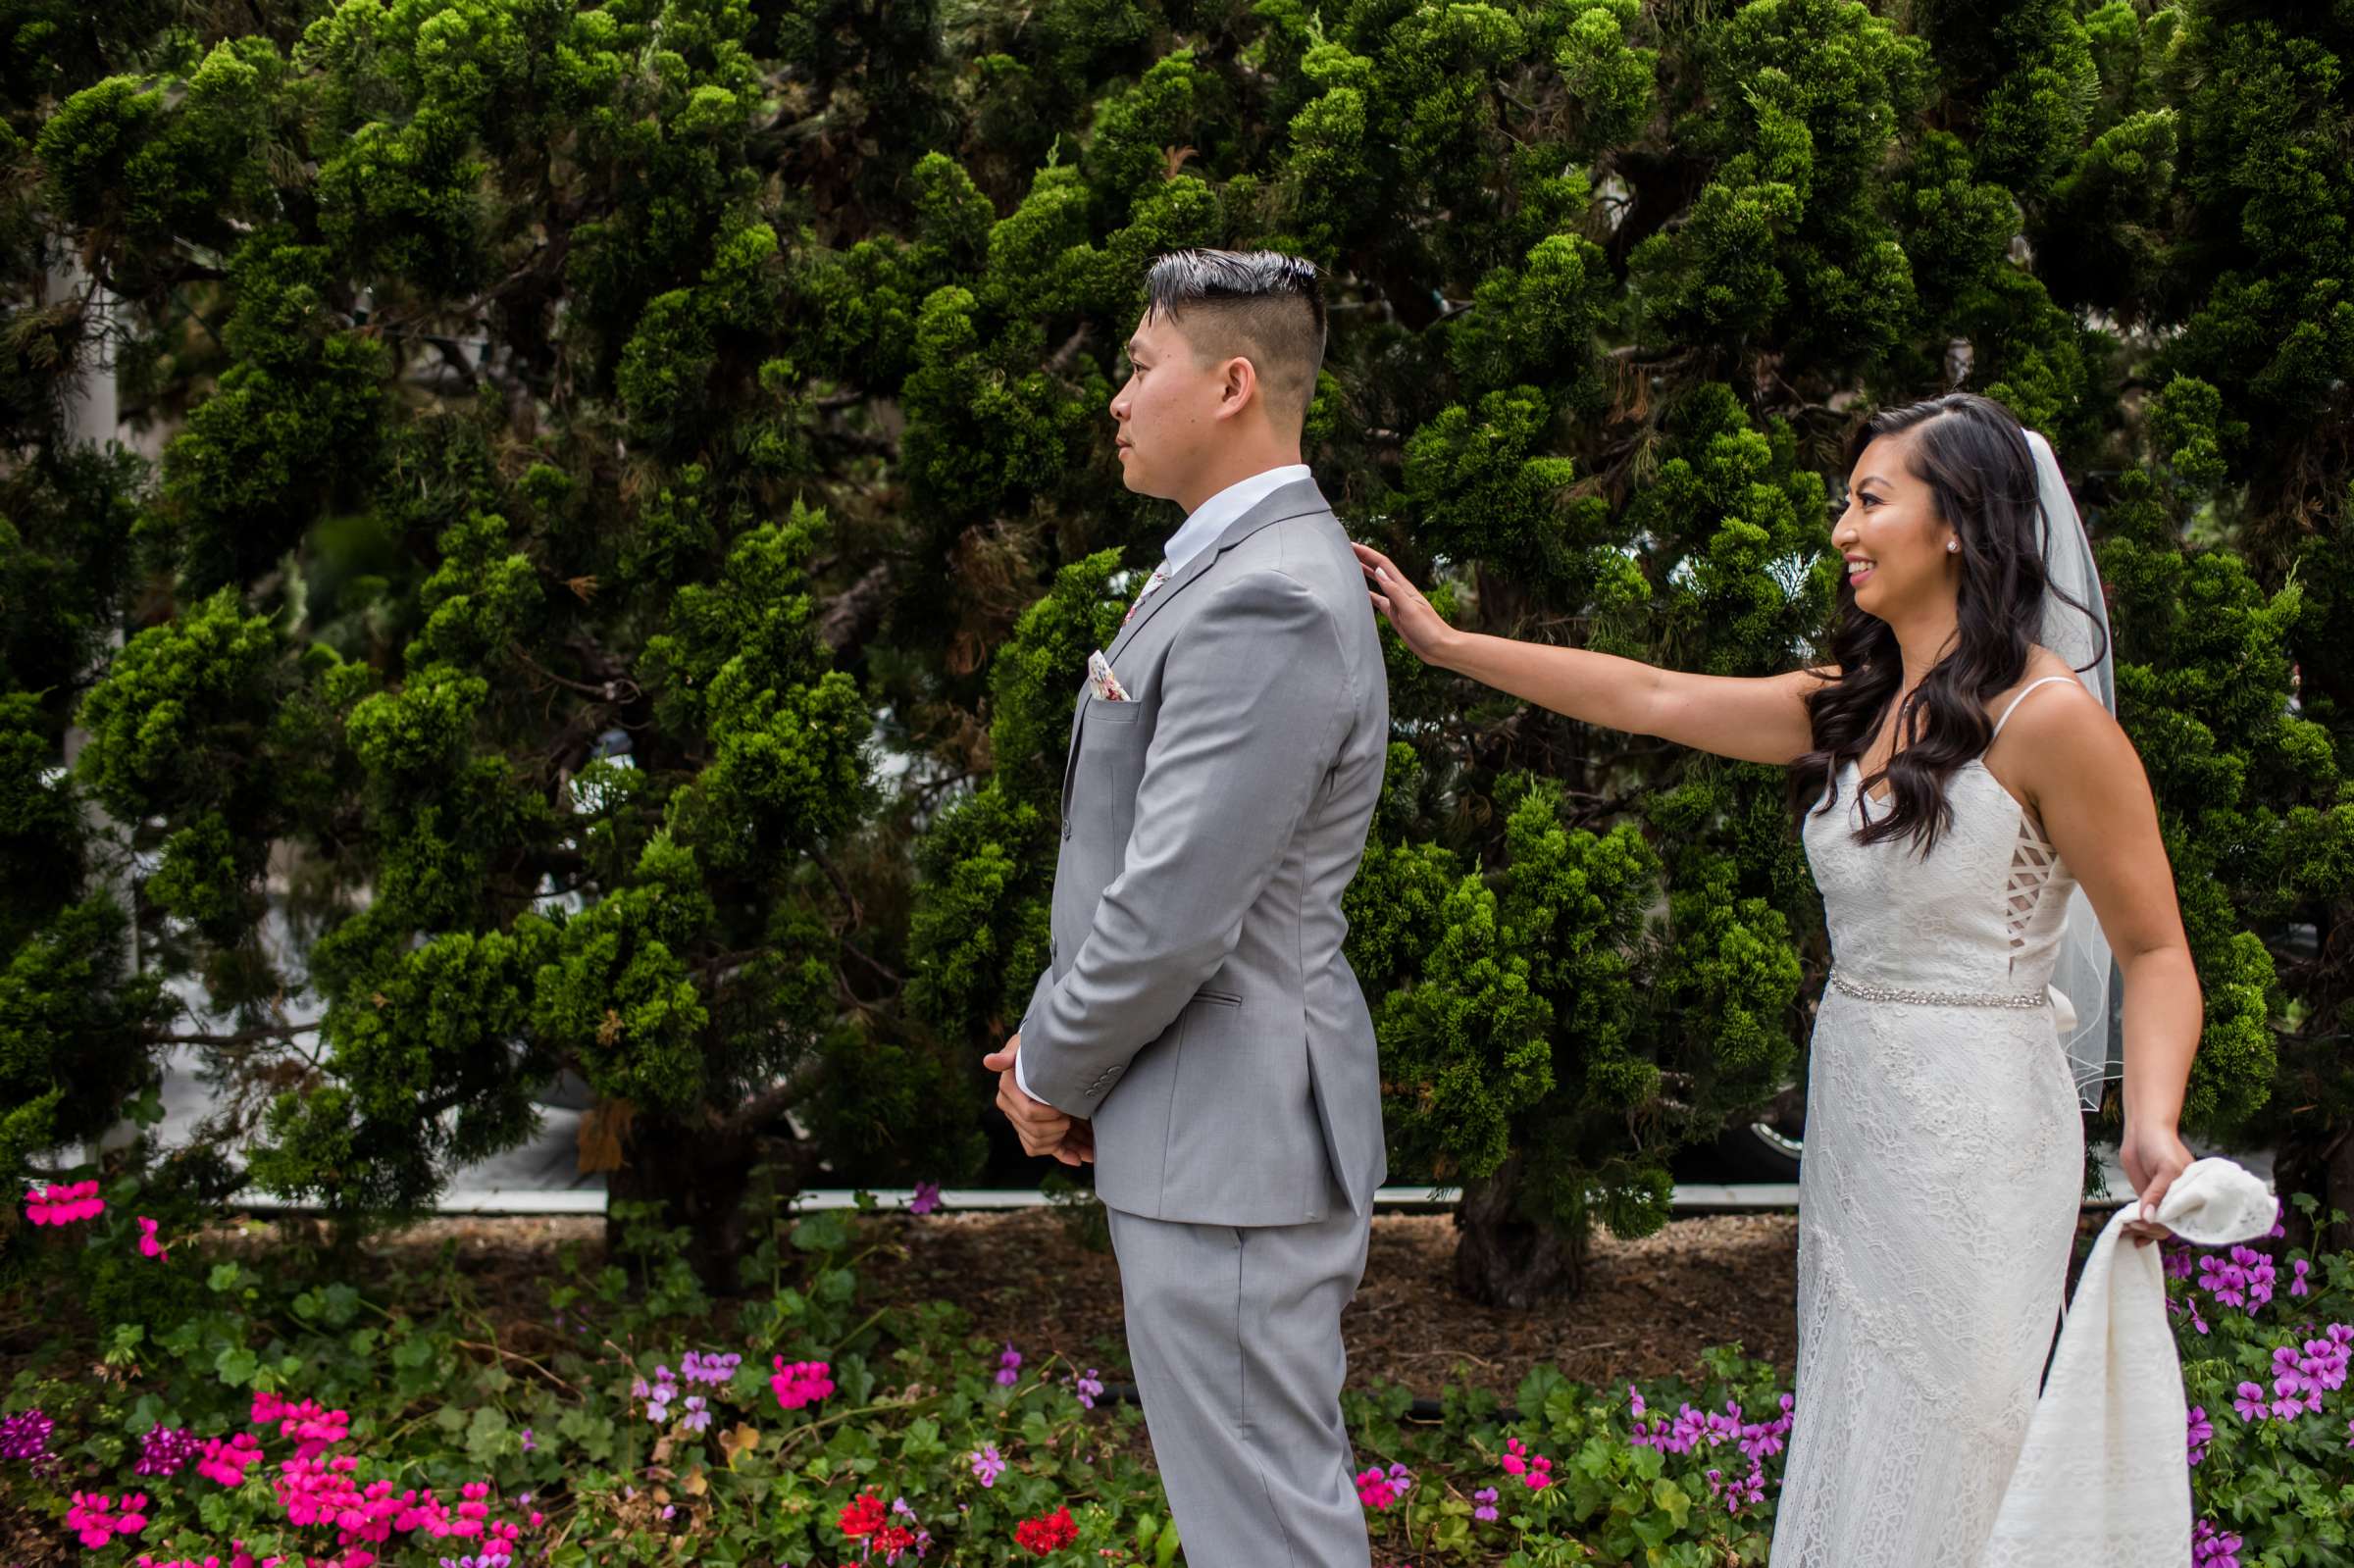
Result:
x=2021 y=697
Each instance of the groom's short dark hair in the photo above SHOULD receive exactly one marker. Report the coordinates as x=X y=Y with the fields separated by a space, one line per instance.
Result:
x=1258 y=305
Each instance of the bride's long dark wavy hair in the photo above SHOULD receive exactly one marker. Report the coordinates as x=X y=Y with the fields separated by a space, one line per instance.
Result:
x=1974 y=455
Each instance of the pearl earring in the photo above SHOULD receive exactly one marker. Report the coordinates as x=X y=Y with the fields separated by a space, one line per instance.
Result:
x=1952 y=546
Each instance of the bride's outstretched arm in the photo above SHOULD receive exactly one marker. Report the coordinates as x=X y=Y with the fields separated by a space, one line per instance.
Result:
x=1753 y=720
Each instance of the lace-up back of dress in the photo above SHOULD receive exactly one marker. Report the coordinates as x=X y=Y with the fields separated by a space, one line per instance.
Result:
x=2034 y=869
x=1982 y=912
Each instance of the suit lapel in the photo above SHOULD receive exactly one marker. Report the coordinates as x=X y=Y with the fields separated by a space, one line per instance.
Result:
x=1300 y=499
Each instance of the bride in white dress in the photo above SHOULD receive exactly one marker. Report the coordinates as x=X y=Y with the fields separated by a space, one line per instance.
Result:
x=1962 y=782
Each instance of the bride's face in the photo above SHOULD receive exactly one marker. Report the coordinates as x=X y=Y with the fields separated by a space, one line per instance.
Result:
x=1899 y=551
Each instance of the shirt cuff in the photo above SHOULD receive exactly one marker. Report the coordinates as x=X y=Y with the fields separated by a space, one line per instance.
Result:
x=1019 y=1077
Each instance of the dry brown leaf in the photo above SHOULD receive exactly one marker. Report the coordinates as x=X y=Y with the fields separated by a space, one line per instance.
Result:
x=602 y=1131
x=742 y=1439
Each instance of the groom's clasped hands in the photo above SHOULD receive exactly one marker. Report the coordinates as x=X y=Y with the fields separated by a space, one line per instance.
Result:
x=1043 y=1128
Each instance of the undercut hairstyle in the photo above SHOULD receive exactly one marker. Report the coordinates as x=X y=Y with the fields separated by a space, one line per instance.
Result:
x=1258 y=305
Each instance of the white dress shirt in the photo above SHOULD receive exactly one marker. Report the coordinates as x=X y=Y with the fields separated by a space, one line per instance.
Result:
x=1197 y=533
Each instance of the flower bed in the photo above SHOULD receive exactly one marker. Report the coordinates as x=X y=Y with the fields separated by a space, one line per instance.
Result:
x=263 y=1421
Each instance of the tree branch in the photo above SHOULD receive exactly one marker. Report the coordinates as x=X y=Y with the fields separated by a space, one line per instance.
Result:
x=242 y=1037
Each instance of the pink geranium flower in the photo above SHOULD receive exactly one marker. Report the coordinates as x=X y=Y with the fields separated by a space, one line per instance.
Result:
x=801 y=1382
x=62 y=1203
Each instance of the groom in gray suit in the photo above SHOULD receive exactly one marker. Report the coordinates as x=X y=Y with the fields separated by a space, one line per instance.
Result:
x=1198 y=1034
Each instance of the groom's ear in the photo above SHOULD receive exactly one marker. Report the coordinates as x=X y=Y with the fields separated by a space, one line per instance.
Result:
x=1240 y=382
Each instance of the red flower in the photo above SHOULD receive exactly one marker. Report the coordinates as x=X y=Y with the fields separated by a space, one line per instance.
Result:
x=1047 y=1533
x=863 y=1517
x=893 y=1540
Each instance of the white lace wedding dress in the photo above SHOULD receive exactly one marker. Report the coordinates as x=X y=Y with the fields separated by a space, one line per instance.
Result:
x=1939 y=1196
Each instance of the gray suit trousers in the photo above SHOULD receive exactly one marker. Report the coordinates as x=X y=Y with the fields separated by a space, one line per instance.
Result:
x=1235 y=1335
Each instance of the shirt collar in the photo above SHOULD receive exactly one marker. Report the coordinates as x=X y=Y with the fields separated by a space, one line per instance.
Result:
x=1210 y=518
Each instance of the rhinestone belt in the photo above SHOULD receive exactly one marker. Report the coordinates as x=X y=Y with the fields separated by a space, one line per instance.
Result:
x=1938 y=999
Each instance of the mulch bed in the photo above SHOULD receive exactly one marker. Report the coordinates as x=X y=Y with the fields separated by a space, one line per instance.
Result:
x=1024 y=1276
x=1648 y=1310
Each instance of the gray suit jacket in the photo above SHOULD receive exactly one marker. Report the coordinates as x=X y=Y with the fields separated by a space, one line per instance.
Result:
x=1198 y=1007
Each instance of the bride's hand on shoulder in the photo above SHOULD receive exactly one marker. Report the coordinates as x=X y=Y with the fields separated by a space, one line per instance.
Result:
x=2153 y=1156
x=1419 y=627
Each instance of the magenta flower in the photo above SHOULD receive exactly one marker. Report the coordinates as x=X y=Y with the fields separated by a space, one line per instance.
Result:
x=801 y=1382
x=1377 y=1489
x=925 y=1199
x=96 y=1519
x=2298 y=1285
x=1534 y=1471
x=1485 y=1497
x=227 y=1459
x=2201 y=1433
x=66 y=1203
x=2249 y=1402
x=1089 y=1388
x=1009 y=1367
x=149 y=1246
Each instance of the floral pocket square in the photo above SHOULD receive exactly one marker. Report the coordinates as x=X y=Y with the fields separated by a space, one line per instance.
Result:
x=1101 y=681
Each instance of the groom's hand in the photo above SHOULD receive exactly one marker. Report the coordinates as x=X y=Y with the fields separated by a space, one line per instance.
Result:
x=1043 y=1128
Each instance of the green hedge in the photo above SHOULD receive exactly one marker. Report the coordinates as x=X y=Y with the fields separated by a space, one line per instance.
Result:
x=727 y=380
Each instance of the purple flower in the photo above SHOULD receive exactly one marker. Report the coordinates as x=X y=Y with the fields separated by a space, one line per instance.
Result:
x=715 y=1367
x=699 y=1415
x=1009 y=1367
x=2298 y=1286
x=658 y=1397
x=1485 y=1497
x=1091 y=1389
x=925 y=1199
x=2211 y=1549
x=1741 y=1491
x=165 y=1450
x=1635 y=1407
x=987 y=1466
x=2201 y=1433
x=2249 y=1402
x=530 y=1445
x=26 y=1435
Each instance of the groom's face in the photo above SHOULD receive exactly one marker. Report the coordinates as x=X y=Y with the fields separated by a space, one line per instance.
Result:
x=1167 y=412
